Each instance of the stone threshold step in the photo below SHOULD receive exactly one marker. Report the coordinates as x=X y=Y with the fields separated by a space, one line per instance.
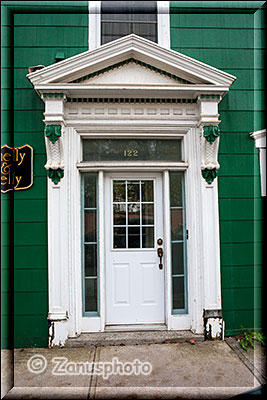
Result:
x=116 y=338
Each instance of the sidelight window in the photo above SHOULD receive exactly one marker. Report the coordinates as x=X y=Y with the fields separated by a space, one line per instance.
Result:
x=178 y=242
x=90 y=243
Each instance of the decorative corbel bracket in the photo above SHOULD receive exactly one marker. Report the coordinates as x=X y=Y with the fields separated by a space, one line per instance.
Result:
x=209 y=135
x=54 y=150
x=209 y=152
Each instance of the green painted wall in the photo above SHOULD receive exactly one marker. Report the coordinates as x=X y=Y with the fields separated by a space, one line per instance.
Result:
x=232 y=39
x=32 y=33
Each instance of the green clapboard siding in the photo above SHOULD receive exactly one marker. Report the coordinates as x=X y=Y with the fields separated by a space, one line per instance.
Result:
x=198 y=37
x=241 y=209
x=226 y=58
x=36 y=258
x=26 y=57
x=41 y=29
x=233 y=40
x=239 y=141
x=233 y=254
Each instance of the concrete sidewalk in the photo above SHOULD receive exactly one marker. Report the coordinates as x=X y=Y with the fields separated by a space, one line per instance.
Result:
x=218 y=369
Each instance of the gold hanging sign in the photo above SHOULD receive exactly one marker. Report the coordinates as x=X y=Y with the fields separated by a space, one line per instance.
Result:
x=16 y=167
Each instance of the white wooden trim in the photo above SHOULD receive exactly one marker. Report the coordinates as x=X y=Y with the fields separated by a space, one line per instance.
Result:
x=259 y=137
x=127 y=135
x=167 y=246
x=105 y=165
x=56 y=256
x=135 y=327
x=102 y=264
x=180 y=322
x=58 y=285
x=92 y=324
x=94 y=24
x=194 y=225
x=211 y=245
x=73 y=214
x=153 y=127
x=260 y=143
x=163 y=24
x=263 y=171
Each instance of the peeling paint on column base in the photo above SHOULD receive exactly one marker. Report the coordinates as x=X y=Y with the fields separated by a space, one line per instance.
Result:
x=57 y=331
x=213 y=325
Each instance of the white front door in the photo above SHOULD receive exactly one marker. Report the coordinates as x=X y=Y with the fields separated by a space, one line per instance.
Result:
x=133 y=225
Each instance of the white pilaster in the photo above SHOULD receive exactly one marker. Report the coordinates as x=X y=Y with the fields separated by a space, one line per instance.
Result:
x=57 y=258
x=73 y=247
x=211 y=245
x=58 y=312
x=208 y=108
x=195 y=267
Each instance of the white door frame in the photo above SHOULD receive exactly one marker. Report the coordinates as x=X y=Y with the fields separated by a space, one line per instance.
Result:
x=173 y=321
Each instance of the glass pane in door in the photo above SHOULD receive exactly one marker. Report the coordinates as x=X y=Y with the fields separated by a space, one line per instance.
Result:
x=133 y=214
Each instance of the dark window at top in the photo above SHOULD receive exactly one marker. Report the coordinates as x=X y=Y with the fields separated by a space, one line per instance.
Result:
x=120 y=18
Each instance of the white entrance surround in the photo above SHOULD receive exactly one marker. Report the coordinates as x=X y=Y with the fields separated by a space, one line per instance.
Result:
x=129 y=88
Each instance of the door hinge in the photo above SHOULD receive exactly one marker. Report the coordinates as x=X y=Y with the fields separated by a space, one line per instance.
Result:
x=187 y=234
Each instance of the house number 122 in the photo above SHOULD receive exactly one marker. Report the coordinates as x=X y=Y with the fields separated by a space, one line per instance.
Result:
x=130 y=153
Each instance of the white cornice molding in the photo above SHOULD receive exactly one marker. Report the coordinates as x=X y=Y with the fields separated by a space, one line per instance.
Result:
x=259 y=137
x=149 y=91
x=131 y=46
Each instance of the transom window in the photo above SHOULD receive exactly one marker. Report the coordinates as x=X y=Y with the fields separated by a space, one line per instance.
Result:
x=121 y=18
x=133 y=214
x=132 y=150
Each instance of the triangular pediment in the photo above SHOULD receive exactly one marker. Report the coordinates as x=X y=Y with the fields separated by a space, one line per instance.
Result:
x=131 y=72
x=129 y=61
